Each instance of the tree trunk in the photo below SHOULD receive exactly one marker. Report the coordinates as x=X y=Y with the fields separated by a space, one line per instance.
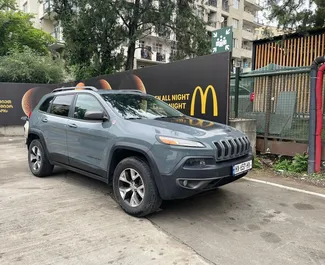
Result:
x=130 y=57
x=132 y=33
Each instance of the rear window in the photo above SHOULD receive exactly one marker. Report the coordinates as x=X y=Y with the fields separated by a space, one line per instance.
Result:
x=46 y=104
x=61 y=105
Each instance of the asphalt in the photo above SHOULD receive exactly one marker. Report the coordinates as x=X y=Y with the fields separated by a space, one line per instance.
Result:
x=71 y=219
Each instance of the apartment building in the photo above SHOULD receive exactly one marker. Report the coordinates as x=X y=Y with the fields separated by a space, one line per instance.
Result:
x=242 y=15
x=156 y=49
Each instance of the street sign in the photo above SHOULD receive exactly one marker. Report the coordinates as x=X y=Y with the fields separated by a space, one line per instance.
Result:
x=222 y=40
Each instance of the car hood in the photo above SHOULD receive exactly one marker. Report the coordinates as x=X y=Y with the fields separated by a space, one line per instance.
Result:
x=191 y=127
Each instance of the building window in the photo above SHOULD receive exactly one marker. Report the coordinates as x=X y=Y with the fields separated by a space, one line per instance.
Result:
x=235 y=43
x=25 y=7
x=157 y=47
x=235 y=23
x=236 y=4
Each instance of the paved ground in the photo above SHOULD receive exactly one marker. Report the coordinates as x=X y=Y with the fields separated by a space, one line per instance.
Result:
x=70 y=219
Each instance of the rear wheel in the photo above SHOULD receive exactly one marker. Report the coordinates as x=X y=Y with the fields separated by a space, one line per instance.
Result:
x=134 y=187
x=38 y=162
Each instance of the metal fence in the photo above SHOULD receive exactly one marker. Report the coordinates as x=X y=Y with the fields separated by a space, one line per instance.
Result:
x=280 y=105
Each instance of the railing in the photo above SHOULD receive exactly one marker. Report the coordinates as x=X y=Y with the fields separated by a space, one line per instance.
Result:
x=212 y=24
x=146 y=53
x=58 y=35
x=213 y=3
x=225 y=7
x=160 y=57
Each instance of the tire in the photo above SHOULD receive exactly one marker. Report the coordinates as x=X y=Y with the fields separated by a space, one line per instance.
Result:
x=150 y=202
x=38 y=162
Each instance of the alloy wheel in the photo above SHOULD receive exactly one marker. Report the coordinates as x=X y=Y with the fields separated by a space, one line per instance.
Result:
x=36 y=158
x=131 y=187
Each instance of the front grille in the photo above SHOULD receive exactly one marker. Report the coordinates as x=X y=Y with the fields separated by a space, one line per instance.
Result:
x=232 y=148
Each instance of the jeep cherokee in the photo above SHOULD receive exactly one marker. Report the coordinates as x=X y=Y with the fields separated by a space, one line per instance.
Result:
x=144 y=148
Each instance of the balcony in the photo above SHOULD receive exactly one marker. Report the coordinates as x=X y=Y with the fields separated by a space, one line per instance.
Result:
x=212 y=24
x=225 y=7
x=256 y=4
x=246 y=51
x=250 y=18
x=160 y=57
x=146 y=53
x=60 y=43
x=213 y=3
x=247 y=34
x=58 y=35
x=48 y=12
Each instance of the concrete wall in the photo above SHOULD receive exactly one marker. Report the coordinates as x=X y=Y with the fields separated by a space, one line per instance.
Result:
x=247 y=126
x=12 y=130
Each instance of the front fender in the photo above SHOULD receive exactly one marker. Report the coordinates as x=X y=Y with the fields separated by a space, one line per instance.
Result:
x=147 y=154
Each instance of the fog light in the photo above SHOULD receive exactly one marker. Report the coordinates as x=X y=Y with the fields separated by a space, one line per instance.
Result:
x=194 y=162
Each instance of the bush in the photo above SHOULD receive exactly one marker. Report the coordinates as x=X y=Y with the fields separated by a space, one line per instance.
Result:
x=257 y=163
x=298 y=164
x=30 y=67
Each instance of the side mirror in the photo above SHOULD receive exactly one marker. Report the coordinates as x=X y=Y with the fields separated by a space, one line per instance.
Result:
x=24 y=118
x=95 y=116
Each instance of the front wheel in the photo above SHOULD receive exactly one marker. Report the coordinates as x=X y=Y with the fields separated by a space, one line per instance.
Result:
x=38 y=162
x=134 y=187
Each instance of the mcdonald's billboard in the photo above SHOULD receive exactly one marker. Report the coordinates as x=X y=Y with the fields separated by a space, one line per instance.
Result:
x=197 y=87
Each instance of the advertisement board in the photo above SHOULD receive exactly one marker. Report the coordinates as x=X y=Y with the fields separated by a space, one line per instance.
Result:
x=197 y=87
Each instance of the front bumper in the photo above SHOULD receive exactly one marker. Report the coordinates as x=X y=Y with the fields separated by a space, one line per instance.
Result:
x=184 y=181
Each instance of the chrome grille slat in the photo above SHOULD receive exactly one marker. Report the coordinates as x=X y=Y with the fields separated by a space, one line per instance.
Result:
x=232 y=148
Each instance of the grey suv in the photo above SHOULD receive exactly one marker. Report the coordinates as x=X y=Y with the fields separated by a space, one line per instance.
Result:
x=147 y=150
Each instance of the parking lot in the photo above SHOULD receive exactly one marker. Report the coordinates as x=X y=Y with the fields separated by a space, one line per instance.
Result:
x=71 y=219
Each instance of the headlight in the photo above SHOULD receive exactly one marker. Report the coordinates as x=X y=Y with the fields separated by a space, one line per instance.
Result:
x=179 y=142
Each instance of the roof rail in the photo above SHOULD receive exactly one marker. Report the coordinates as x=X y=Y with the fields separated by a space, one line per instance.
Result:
x=130 y=90
x=74 y=88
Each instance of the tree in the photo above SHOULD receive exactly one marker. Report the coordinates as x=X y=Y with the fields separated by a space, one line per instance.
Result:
x=88 y=30
x=17 y=31
x=296 y=15
x=111 y=24
x=27 y=66
x=190 y=31
x=7 y=4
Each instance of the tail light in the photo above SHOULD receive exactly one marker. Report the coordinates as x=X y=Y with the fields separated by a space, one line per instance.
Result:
x=29 y=114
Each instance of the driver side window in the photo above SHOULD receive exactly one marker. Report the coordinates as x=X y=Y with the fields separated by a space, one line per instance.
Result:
x=86 y=103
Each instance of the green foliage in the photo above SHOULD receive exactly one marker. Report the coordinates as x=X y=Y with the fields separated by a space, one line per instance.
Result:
x=257 y=163
x=27 y=66
x=296 y=15
x=6 y=4
x=17 y=31
x=94 y=36
x=298 y=164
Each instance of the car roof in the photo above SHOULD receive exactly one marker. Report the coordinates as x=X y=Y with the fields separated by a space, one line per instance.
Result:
x=93 y=90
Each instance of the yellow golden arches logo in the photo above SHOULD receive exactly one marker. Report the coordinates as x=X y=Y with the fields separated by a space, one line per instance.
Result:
x=204 y=96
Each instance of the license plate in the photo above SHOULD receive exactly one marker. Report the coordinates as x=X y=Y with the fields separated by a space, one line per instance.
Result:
x=241 y=168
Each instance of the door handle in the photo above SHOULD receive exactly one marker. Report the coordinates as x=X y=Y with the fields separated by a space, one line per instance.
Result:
x=44 y=120
x=72 y=125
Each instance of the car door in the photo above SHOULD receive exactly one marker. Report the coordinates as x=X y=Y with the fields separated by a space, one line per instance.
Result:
x=54 y=127
x=87 y=140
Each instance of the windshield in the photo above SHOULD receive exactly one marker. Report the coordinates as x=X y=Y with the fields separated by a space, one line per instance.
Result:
x=133 y=106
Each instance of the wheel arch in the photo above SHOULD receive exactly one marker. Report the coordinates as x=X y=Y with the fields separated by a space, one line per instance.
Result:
x=122 y=151
x=34 y=135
